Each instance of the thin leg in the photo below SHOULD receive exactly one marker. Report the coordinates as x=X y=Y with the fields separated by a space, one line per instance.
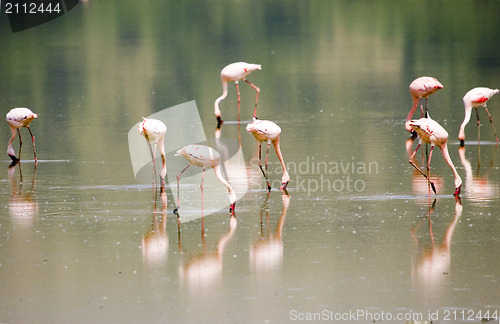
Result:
x=429 y=161
x=491 y=121
x=20 y=143
x=478 y=124
x=201 y=188
x=256 y=98
x=421 y=172
x=176 y=210
x=34 y=149
x=260 y=166
x=239 y=99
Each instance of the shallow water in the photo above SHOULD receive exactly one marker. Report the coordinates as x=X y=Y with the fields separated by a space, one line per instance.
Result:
x=358 y=238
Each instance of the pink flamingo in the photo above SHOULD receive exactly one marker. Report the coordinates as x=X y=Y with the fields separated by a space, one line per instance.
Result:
x=265 y=130
x=17 y=118
x=205 y=157
x=429 y=131
x=421 y=88
x=477 y=97
x=235 y=72
x=154 y=131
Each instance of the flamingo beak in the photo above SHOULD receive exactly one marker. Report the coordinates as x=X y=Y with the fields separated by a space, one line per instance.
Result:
x=457 y=191
x=433 y=188
x=284 y=185
x=232 y=207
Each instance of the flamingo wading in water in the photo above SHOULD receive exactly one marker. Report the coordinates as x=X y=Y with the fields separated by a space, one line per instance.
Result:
x=205 y=157
x=477 y=97
x=18 y=118
x=154 y=131
x=429 y=131
x=235 y=72
x=421 y=88
x=265 y=130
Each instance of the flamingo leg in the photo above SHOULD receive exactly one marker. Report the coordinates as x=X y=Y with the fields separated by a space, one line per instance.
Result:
x=418 y=169
x=34 y=149
x=20 y=143
x=260 y=166
x=256 y=98
x=201 y=188
x=239 y=99
x=478 y=125
x=491 y=121
x=176 y=210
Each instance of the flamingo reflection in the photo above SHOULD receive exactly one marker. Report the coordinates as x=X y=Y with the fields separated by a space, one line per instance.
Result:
x=434 y=262
x=478 y=189
x=155 y=240
x=267 y=253
x=23 y=208
x=203 y=270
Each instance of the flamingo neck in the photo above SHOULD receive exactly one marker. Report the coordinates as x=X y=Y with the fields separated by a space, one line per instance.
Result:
x=410 y=114
x=458 y=179
x=218 y=100
x=468 y=111
x=232 y=195
x=285 y=178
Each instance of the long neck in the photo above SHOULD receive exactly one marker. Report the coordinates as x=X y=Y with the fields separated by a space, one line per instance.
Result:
x=218 y=100
x=276 y=144
x=446 y=155
x=461 y=133
x=218 y=173
x=161 y=143
x=410 y=114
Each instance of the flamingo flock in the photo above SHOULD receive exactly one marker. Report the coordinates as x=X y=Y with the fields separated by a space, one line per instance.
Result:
x=428 y=130
x=431 y=132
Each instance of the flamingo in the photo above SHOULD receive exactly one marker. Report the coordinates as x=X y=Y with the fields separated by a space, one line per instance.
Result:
x=17 y=118
x=235 y=72
x=429 y=131
x=205 y=157
x=154 y=131
x=477 y=97
x=265 y=130
x=421 y=88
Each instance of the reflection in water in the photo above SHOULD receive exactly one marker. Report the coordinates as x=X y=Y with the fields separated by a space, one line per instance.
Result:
x=478 y=189
x=205 y=269
x=23 y=209
x=267 y=253
x=155 y=241
x=434 y=260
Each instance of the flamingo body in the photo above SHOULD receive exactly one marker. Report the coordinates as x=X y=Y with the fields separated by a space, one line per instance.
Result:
x=204 y=157
x=154 y=131
x=431 y=132
x=18 y=118
x=421 y=88
x=268 y=131
x=235 y=72
x=475 y=98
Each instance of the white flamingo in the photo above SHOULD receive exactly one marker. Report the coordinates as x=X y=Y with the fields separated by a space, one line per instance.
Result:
x=154 y=131
x=265 y=130
x=235 y=72
x=421 y=88
x=475 y=98
x=18 y=118
x=204 y=157
x=429 y=131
